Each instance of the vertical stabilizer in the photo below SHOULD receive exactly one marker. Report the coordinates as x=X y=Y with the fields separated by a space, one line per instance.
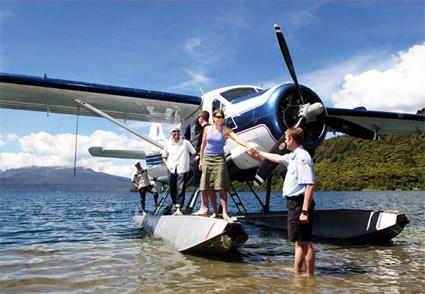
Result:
x=156 y=132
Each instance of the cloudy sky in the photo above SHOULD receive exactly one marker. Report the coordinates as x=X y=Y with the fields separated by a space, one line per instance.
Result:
x=352 y=53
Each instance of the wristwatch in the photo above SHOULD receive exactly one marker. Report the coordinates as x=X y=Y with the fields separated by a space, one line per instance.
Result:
x=305 y=212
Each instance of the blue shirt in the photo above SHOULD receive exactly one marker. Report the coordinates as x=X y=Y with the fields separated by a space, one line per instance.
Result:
x=300 y=172
x=215 y=141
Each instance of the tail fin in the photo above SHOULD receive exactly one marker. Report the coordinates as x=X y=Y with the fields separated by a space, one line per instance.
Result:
x=156 y=132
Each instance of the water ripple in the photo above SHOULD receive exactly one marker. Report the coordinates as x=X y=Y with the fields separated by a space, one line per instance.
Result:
x=86 y=242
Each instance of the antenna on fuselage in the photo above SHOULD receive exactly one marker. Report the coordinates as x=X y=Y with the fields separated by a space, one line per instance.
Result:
x=76 y=141
x=202 y=91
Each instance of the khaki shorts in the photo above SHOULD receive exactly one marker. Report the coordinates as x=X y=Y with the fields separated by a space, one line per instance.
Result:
x=214 y=173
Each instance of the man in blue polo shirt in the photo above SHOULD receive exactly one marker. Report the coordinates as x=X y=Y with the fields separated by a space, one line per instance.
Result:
x=298 y=189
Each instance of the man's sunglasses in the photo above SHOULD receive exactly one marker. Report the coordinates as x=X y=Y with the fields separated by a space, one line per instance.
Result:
x=175 y=132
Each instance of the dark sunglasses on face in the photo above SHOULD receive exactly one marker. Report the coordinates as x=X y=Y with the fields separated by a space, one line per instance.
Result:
x=175 y=132
x=219 y=116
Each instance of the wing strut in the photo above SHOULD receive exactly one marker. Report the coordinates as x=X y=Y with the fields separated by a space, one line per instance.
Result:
x=110 y=118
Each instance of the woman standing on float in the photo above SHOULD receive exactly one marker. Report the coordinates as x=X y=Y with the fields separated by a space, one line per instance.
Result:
x=213 y=164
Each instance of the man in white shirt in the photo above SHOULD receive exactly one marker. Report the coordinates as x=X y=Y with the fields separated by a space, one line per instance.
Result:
x=176 y=157
x=298 y=189
x=142 y=184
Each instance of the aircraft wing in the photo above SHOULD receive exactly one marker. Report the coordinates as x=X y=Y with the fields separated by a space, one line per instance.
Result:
x=369 y=124
x=55 y=95
x=117 y=153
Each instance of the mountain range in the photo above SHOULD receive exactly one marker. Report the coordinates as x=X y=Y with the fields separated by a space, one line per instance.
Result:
x=58 y=178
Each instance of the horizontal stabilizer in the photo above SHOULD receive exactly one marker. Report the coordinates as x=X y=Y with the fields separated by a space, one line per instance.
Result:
x=117 y=153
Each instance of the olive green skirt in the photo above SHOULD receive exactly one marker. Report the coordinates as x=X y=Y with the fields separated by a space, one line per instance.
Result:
x=214 y=173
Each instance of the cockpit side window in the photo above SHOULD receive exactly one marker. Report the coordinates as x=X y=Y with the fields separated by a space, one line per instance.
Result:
x=217 y=105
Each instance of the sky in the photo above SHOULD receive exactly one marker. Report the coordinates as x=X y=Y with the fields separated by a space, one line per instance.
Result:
x=352 y=53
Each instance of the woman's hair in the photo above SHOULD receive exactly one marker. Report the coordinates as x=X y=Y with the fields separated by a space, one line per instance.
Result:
x=218 y=111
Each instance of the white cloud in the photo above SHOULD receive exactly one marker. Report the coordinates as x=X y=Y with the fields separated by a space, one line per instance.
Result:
x=398 y=87
x=304 y=17
x=202 y=54
x=329 y=79
x=191 y=44
x=9 y=138
x=203 y=57
x=197 y=80
x=44 y=149
x=233 y=19
x=12 y=137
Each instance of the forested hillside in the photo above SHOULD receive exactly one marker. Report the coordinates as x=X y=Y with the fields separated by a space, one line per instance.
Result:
x=348 y=164
x=394 y=162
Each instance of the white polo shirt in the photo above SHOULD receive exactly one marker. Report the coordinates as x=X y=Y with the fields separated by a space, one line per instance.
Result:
x=178 y=155
x=300 y=172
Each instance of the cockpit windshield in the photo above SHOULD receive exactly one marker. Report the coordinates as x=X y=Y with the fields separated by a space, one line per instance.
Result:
x=231 y=94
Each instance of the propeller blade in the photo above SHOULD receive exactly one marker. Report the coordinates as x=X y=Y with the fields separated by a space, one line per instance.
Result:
x=285 y=52
x=304 y=115
x=267 y=166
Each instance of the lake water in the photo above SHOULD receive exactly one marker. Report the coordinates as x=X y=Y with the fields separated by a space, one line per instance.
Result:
x=87 y=242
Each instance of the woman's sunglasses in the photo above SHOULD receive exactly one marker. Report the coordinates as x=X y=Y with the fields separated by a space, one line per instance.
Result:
x=219 y=116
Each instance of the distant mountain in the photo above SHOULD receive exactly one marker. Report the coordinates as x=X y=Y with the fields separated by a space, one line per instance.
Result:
x=37 y=178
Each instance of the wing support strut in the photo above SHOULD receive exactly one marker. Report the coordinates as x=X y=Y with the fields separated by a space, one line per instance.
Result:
x=115 y=121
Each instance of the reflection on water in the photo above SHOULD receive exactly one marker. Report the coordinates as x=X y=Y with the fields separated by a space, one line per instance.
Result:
x=86 y=242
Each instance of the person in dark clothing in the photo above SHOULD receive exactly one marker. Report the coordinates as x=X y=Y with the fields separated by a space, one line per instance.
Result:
x=195 y=134
x=142 y=183
x=195 y=138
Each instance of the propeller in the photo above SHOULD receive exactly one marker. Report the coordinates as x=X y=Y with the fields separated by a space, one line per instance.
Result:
x=288 y=60
x=296 y=112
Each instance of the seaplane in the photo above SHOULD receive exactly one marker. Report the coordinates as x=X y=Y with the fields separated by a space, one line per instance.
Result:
x=260 y=116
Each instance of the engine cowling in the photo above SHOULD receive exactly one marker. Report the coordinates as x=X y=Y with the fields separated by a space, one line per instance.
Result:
x=283 y=107
x=289 y=107
x=286 y=103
